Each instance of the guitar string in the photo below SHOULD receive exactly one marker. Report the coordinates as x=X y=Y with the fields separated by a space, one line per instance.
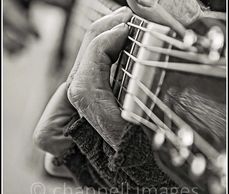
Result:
x=171 y=40
x=174 y=117
x=170 y=135
x=201 y=58
x=145 y=21
x=130 y=56
x=175 y=42
x=202 y=143
x=206 y=70
x=147 y=122
x=212 y=165
x=159 y=124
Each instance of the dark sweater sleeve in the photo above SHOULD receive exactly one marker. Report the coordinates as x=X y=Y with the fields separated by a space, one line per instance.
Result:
x=132 y=164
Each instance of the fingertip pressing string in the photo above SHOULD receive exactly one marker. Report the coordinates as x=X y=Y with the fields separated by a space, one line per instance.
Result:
x=147 y=9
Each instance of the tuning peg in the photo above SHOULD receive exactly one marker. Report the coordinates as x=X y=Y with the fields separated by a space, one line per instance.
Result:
x=186 y=135
x=159 y=139
x=214 y=55
x=184 y=152
x=215 y=34
x=198 y=165
x=221 y=163
x=190 y=38
x=216 y=37
x=176 y=158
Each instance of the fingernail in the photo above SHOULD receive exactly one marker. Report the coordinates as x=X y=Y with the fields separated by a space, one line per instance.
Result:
x=122 y=25
x=122 y=9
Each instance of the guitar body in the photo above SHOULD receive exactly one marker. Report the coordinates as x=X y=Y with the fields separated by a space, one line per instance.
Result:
x=198 y=99
x=201 y=103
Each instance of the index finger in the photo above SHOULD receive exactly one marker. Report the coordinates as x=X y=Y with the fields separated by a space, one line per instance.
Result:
x=121 y=15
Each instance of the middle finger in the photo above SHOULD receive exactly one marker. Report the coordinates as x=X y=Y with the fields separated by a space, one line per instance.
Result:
x=121 y=15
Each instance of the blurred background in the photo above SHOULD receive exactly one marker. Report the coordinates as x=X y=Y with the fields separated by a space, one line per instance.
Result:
x=31 y=74
x=33 y=67
x=41 y=39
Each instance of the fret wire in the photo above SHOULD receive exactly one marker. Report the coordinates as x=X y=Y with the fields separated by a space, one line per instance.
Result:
x=177 y=43
x=202 y=144
x=128 y=61
x=201 y=58
x=185 y=67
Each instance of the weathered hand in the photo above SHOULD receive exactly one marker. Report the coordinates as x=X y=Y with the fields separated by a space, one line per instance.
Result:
x=48 y=134
x=89 y=91
x=93 y=58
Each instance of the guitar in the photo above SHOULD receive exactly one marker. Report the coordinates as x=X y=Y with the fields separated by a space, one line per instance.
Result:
x=175 y=88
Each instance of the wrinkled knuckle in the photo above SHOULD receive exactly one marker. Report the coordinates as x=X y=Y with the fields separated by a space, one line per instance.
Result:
x=75 y=95
x=93 y=30
x=97 y=42
x=79 y=97
x=100 y=43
